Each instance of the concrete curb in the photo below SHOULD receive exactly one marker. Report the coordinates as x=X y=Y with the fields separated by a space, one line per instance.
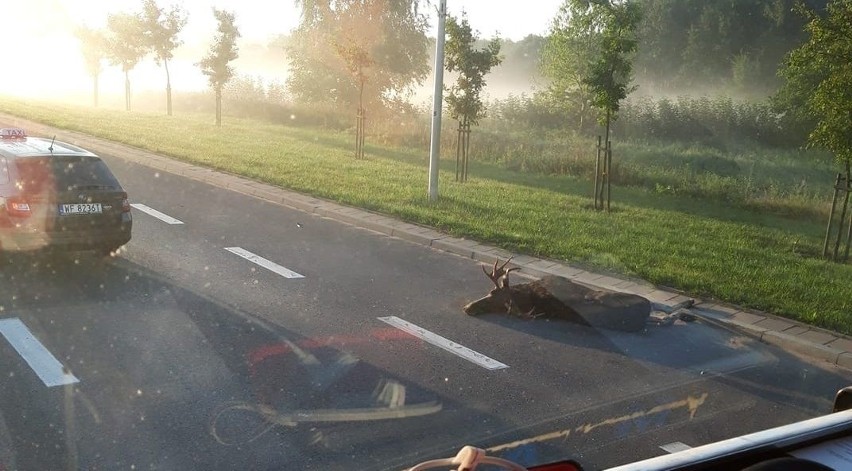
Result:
x=790 y=335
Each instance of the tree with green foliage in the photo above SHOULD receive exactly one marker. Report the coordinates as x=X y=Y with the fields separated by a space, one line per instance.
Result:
x=471 y=64
x=355 y=48
x=572 y=43
x=588 y=58
x=358 y=53
x=161 y=28
x=819 y=74
x=358 y=61
x=93 y=45
x=818 y=78
x=315 y=10
x=610 y=74
x=216 y=64
x=126 y=45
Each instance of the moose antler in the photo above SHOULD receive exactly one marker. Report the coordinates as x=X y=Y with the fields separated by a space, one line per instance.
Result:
x=500 y=276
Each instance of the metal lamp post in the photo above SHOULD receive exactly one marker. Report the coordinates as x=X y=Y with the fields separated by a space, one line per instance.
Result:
x=435 y=148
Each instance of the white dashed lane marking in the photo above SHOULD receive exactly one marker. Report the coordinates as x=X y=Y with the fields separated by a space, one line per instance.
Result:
x=269 y=265
x=446 y=344
x=153 y=212
x=42 y=362
x=675 y=447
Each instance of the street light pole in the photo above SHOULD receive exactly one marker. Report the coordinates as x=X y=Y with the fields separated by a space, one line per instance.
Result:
x=435 y=148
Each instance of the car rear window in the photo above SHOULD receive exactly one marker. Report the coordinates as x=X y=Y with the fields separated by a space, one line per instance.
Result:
x=64 y=173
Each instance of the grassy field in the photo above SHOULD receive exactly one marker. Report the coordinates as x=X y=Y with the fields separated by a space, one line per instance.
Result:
x=787 y=182
x=752 y=258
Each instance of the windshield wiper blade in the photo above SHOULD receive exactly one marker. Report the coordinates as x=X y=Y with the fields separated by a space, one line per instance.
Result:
x=93 y=187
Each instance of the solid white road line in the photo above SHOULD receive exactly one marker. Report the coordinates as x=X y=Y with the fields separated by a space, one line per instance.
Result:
x=43 y=363
x=448 y=345
x=269 y=265
x=153 y=212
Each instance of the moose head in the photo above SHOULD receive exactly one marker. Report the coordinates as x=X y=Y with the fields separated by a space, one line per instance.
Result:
x=500 y=298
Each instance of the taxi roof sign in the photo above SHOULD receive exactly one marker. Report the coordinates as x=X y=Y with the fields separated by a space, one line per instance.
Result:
x=12 y=133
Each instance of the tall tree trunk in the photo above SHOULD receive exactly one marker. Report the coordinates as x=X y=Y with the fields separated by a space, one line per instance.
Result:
x=127 y=90
x=218 y=105
x=168 y=88
x=95 y=90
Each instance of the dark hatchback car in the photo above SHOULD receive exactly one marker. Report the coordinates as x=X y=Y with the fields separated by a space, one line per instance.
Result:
x=55 y=195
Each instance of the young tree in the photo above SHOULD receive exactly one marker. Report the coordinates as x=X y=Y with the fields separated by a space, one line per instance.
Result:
x=358 y=61
x=93 y=45
x=161 y=29
x=126 y=45
x=385 y=39
x=464 y=97
x=818 y=78
x=611 y=74
x=589 y=57
x=571 y=46
x=354 y=46
x=216 y=64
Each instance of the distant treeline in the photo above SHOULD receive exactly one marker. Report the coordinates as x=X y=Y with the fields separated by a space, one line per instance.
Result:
x=695 y=47
x=732 y=44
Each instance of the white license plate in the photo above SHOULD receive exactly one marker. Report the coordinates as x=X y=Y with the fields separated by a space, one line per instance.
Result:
x=80 y=208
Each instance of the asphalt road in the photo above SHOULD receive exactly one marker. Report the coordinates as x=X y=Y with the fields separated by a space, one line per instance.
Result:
x=180 y=353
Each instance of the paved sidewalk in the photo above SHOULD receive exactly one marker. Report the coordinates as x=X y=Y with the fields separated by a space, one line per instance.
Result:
x=790 y=335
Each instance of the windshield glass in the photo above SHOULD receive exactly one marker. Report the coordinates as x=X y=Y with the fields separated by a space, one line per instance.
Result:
x=362 y=234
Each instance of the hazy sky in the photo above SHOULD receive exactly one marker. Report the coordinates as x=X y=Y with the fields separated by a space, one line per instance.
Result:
x=40 y=32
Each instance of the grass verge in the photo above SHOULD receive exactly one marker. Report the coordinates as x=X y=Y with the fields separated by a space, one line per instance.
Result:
x=749 y=258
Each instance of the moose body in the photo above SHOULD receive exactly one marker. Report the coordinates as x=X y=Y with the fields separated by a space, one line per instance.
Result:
x=558 y=298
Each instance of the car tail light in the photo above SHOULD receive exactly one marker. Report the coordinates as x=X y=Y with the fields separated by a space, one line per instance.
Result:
x=17 y=207
x=125 y=204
